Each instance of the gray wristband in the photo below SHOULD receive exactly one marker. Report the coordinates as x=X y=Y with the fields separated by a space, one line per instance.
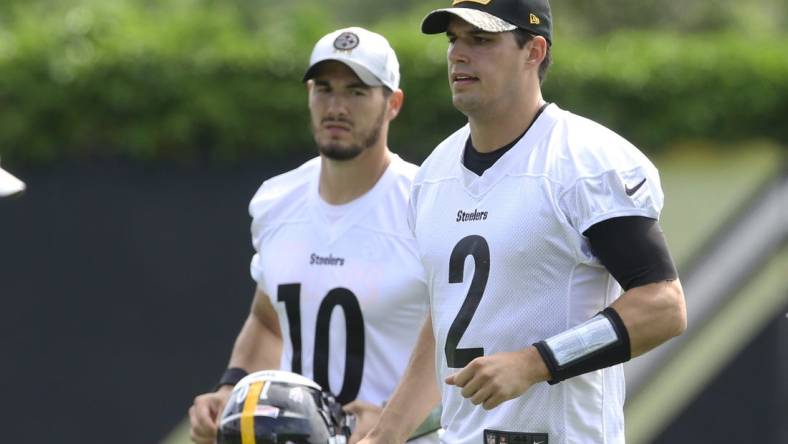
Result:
x=598 y=343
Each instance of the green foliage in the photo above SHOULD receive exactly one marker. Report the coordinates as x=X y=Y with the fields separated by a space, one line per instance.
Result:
x=220 y=80
x=656 y=89
x=600 y=17
x=157 y=81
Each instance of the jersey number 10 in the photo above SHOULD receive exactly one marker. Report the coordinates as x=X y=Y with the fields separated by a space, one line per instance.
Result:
x=290 y=294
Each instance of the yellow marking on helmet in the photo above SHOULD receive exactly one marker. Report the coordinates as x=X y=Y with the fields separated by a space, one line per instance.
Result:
x=483 y=2
x=534 y=20
x=247 y=414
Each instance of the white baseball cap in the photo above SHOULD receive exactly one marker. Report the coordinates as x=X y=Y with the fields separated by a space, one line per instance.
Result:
x=9 y=184
x=368 y=54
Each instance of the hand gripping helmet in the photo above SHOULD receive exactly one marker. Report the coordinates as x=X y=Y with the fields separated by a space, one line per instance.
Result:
x=279 y=407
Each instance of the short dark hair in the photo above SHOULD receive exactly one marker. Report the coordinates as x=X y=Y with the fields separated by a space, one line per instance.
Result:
x=522 y=37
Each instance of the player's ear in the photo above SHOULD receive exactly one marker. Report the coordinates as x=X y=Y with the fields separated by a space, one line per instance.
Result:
x=536 y=50
x=395 y=101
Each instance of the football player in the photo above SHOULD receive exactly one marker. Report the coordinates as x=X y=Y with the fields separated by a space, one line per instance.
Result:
x=341 y=292
x=530 y=220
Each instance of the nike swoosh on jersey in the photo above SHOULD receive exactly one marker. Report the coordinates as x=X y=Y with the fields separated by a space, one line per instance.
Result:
x=633 y=190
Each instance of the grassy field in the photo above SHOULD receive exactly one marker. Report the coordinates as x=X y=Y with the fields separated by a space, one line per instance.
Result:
x=703 y=187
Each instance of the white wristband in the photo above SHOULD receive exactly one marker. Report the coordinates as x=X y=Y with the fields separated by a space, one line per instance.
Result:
x=588 y=337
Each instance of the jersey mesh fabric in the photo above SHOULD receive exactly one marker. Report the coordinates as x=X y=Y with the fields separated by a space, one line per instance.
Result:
x=369 y=250
x=565 y=174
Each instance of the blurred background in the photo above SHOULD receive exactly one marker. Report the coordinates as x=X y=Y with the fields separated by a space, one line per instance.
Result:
x=143 y=128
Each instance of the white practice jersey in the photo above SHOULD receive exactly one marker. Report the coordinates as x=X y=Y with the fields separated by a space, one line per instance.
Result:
x=346 y=281
x=507 y=266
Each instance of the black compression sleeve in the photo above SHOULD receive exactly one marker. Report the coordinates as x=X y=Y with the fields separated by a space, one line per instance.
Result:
x=633 y=249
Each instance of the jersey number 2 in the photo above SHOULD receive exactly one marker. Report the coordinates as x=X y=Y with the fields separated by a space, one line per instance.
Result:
x=477 y=247
x=290 y=294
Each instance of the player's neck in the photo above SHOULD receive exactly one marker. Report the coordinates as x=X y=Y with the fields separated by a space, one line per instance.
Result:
x=344 y=181
x=499 y=127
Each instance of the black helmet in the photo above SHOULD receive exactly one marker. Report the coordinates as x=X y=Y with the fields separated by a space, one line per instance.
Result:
x=279 y=407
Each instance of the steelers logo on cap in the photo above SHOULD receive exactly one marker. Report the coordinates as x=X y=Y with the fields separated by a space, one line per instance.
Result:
x=346 y=41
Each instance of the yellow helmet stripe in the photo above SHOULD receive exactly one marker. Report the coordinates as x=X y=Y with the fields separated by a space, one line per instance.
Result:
x=247 y=415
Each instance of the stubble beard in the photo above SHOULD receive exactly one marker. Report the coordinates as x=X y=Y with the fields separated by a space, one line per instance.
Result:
x=335 y=151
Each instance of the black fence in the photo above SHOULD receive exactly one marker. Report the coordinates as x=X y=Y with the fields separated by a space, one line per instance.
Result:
x=122 y=288
x=747 y=401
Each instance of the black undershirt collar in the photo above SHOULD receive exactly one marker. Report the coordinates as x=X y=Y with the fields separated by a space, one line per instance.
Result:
x=481 y=162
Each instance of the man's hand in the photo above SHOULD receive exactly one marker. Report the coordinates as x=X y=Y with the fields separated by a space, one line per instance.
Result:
x=366 y=416
x=491 y=380
x=204 y=415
